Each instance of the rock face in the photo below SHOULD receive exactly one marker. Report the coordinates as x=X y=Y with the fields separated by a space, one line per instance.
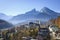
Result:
x=5 y=24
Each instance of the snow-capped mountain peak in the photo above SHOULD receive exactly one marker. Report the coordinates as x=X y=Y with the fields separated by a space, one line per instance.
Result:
x=45 y=9
x=48 y=11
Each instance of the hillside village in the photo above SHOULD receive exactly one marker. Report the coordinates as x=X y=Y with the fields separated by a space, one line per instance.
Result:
x=31 y=31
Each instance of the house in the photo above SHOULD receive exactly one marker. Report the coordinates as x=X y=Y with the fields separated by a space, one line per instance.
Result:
x=54 y=32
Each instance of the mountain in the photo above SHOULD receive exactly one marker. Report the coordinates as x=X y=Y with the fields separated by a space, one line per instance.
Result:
x=4 y=17
x=4 y=24
x=50 y=12
x=44 y=14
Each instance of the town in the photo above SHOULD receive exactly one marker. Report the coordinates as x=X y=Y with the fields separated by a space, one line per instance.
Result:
x=33 y=31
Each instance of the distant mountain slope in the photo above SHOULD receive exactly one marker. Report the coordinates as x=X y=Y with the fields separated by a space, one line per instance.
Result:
x=4 y=17
x=5 y=24
x=45 y=14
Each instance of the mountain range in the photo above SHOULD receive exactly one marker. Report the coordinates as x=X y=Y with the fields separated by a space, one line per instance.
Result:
x=45 y=14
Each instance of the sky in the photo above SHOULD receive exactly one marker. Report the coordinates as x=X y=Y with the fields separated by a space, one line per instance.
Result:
x=16 y=7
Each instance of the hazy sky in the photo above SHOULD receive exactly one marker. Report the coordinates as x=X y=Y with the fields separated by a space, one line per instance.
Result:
x=15 y=7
